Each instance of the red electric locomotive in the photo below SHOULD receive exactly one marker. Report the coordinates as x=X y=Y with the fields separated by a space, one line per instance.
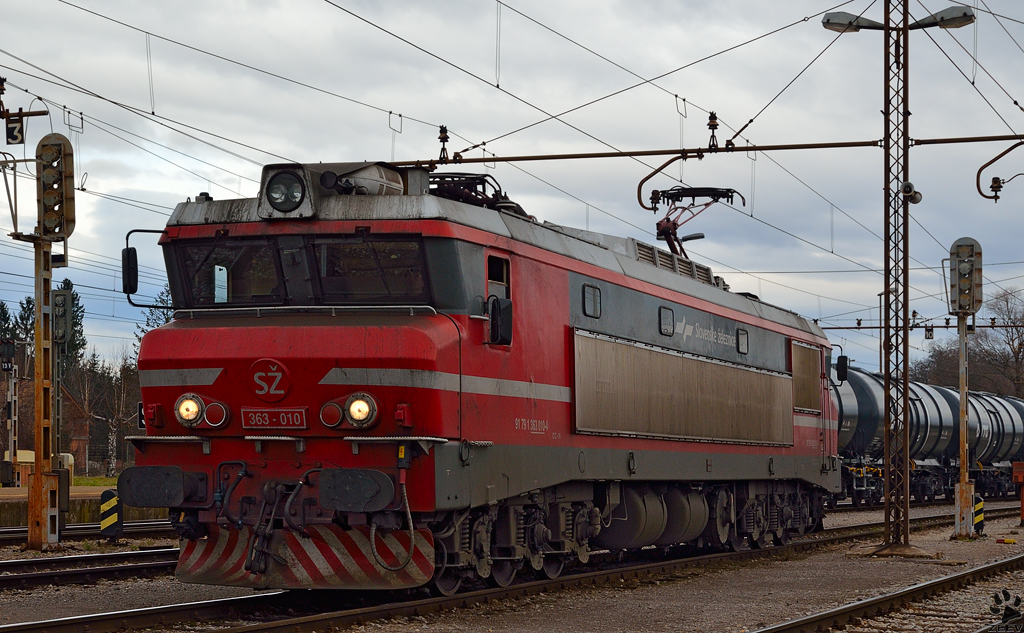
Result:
x=383 y=378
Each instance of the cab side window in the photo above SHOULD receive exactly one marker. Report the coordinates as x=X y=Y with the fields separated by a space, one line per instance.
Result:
x=498 y=277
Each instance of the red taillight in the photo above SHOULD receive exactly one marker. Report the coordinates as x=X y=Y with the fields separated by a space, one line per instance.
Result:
x=217 y=414
x=331 y=414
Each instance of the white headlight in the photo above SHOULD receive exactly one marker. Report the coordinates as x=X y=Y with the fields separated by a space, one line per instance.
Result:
x=189 y=409
x=361 y=410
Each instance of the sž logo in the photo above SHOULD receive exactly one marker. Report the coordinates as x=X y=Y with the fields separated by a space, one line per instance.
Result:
x=270 y=379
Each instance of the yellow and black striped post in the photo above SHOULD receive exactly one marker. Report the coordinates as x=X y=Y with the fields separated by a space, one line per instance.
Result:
x=111 y=520
x=979 y=515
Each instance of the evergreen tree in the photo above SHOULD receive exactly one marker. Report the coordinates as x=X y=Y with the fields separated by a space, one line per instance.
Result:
x=25 y=320
x=6 y=322
x=76 y=342
x=155 y=317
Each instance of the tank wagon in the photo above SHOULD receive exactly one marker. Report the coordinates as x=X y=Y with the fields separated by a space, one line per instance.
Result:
x=995 y=438
x=379 y=378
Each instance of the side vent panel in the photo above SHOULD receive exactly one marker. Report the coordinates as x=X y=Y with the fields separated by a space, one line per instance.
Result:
x=645 y=253
x=680 y=265
x=665 y=260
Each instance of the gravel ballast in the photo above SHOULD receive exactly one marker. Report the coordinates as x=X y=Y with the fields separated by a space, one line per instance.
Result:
x=734 y=597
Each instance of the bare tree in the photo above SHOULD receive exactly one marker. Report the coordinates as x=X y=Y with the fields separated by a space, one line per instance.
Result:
x=123 y=399
x=995 y=355
x=1001 y=350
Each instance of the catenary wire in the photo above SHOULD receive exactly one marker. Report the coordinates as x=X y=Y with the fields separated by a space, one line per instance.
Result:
x=645 y=81
x=538 y=108
x=792 y=235
x=652 y=83
x=247 y=66
x=996 y=16
x=737 y=133
x=800 y=74
x=987 y=10
x=154 y=118
x=980 y=65
x=648 y=232
x=968 y=79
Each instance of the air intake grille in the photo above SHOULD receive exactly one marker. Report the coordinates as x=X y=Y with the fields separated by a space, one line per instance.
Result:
x=680 y=265
x=645 y=253
x=704 y=274
x=665 y=260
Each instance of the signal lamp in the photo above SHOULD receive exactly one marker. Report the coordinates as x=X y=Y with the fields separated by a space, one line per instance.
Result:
x=361 y=410
x=285 y=191
x=331 y=414
x=189 y=409
x=217 y=414
x=55 y=186
x=965 y=277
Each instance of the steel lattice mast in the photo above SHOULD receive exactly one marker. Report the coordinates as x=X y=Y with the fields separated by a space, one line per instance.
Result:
x=896 y=142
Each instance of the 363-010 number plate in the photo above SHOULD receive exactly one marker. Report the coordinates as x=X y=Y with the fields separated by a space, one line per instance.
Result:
x=274 y=418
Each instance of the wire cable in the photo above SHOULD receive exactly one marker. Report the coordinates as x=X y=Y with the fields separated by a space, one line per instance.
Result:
x=245 y=65
x=159 y=120
x=644 y=81
x=737 y=133
x=538 y=108
x=974 y=58
x=968 y=79
x=800 y=74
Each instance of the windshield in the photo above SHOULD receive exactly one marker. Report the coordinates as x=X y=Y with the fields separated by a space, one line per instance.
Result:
x=296 y=270
x=363 y=271
x=233 y=272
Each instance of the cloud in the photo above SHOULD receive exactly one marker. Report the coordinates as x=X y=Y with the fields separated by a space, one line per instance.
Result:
x=837 y=98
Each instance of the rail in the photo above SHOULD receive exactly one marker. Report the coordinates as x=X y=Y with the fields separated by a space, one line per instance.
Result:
x=880 y=605
x=269 y=601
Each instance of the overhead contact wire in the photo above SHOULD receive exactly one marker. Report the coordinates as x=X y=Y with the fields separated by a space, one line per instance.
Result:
x=799 y=74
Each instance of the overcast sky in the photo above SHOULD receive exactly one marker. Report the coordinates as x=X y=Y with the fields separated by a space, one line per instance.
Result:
x=807 y=239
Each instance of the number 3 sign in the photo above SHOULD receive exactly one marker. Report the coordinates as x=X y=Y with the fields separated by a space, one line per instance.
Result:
x=15 y=130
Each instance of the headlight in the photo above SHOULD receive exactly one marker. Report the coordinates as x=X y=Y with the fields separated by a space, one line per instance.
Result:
x=285 y=191
x=189 y=409
x=360 y=410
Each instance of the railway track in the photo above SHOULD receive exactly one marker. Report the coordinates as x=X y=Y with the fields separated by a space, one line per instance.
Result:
x=877 y=613
x=366 y=606
x=73 y=531
x=64 y=570
x=848 y=507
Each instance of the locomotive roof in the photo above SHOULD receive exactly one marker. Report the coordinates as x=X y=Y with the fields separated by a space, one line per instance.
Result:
x=627 y=256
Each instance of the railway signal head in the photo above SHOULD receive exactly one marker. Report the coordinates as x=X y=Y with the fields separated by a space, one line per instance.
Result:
x=965 y=296
x=55 y=186
x=62 y=321
x=7 y=354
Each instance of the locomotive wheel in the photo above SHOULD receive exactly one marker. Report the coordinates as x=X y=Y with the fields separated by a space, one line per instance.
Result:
x=552 y=568
x=735 y=540
x=720 y=528
x=502 y=574
x=446 y=583
x=855 y=499
x=781 y=537
x=761 y=542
